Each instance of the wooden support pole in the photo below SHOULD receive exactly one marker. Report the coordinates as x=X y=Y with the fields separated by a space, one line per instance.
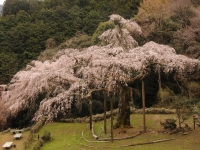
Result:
x=143 y=105
x=90 y=112
x=159 y=83
x=105 y=128
x=111 y=113
x=159 y=79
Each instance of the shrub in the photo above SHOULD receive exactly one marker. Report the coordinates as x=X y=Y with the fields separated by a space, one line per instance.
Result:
x=182 y=15
x=195 y=2
x=81 y=40
x=38 y=145
x=102 y=27
x=193 y=89
x=165 y=96
x=48 y=54
x=46 y=136
x=50 y=43
x=184 y=108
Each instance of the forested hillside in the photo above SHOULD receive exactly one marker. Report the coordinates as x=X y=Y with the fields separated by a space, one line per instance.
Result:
x=1 y=8
x=172 y=22
x=28 y=27
x=96 y=51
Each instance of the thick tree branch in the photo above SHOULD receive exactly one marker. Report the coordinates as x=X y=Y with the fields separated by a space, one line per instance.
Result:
x=152 y=142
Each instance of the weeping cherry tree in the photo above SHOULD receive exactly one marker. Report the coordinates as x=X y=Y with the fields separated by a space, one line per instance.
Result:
x=49 y=88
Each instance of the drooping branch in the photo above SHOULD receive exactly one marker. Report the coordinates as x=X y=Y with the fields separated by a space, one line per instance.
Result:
x=140 y=76
x=52 y=86
x=91 y=141
x=93 y=134
x=91 y=91
x=121 y=35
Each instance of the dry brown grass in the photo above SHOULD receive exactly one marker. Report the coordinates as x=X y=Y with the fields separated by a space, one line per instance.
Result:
x=9 y=137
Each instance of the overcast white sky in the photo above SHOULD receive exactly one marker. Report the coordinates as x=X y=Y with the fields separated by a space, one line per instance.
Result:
x=1 y=2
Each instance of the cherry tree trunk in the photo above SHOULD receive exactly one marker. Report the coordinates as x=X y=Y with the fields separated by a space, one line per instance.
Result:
x=123 y=119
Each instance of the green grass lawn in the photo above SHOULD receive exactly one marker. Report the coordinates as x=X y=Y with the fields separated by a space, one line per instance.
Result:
x=69 y=136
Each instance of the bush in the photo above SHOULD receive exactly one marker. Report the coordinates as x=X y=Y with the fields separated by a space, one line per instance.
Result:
x=102 y=27
x=193 y=89
x=165 y=96
x=50 y=43
x=81 y=40
x=182 y=15
x=38 y=145
x=47 y=54
x=46 y=136
x=195 y=2
x=169 y=124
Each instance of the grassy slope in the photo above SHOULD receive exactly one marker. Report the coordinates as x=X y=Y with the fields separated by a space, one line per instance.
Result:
x=69 y=136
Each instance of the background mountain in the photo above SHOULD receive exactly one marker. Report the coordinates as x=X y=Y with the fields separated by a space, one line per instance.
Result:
x=29 y=27
x=33 y=29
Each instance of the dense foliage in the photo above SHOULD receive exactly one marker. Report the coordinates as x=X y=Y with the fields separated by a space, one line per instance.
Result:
x=172 y=22
x=26 y=26
x=1 y=6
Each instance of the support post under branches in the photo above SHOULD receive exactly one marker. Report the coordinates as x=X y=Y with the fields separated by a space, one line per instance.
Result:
x=90 y=112
x=111 y=112
x=105 y=128
x=143 y=106
x=89 y=95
